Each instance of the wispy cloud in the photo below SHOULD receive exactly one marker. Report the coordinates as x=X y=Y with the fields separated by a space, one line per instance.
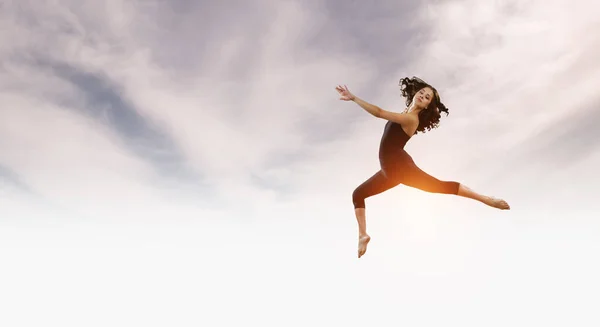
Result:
x=8 y=178
x=103 y=101
x=250 y=107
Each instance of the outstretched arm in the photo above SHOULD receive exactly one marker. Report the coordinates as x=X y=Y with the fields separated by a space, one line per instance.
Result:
x=370 y=108
x=400 y=118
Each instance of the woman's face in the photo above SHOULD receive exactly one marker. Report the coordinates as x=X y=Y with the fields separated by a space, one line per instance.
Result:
x=423 y=97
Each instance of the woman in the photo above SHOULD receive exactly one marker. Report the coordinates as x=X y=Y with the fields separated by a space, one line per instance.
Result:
x=397 y=167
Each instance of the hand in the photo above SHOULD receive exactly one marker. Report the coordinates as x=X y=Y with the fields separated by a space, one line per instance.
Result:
x=344 y=93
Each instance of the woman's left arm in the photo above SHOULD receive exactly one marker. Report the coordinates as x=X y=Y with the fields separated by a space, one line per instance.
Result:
x=408 y=121
x=370 y=108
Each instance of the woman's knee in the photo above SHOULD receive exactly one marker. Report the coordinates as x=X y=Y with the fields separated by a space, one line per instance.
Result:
x=452 y=187
x=358 y=198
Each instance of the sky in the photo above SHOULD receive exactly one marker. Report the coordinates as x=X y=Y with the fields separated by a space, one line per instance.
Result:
x=186 y=163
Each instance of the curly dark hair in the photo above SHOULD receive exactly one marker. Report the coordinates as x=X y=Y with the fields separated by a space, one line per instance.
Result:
x=429 y=118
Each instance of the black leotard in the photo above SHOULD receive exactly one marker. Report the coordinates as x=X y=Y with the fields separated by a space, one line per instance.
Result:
x=397 y=167
x=393 y=140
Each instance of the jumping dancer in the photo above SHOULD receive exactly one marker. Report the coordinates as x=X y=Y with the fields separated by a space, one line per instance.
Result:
x=422 y=114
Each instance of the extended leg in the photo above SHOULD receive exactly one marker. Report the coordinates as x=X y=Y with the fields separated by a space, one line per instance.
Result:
x=417 y=178
x=378 y=183
x=491 y=201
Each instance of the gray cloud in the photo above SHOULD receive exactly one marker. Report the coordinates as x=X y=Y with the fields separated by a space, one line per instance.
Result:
x=104 y=101
x=11 y=178
x=263 y=75
x=12 y=182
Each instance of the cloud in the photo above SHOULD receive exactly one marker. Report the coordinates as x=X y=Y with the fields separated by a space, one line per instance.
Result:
x=248 y=106
x=64 y=71
x=248 y=110
x=9 y=178
x=103 y=101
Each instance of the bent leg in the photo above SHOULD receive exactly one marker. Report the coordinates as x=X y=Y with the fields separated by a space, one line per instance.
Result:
x=378 y=183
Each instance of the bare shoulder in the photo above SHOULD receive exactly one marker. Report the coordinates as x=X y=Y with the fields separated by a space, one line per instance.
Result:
x=408 y=122
x=411 y=128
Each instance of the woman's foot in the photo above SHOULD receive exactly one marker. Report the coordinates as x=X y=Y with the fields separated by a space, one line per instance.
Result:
x=491 y=201
x=362 y=244
x=497 y=203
